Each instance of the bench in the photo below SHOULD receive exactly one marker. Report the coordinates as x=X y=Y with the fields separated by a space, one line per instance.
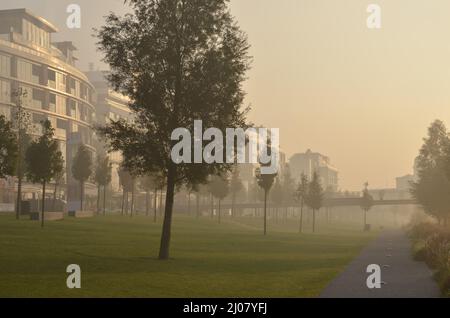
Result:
x=81 y=214
x=48 y=216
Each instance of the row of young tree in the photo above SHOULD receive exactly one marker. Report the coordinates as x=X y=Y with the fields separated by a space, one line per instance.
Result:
x=34 y=155
x=432 y=187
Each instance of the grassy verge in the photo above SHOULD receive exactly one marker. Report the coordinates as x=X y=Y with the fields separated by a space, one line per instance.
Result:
x=431 y=244
x=117 y=256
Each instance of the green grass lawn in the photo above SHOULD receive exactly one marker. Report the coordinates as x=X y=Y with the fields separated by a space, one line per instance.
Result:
x=117 y=256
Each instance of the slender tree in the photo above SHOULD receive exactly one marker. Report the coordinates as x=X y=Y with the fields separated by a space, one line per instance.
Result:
x=44 y=161
x=8 y=148
x=432 y=189
x=265 y=182
x=220 y=188
x=366 y=203
x=314 y=197
x=23 y=125
x=102 y=177
x=300 y=196
x=82 y=169
x=178 y=61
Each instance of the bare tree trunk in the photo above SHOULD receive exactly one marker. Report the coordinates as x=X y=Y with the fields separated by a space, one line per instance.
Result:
x=147 y=202
x=132 y=200
x=233 y=202
x=189 y=204
x=19 y=198
x=197 y=198
x=161 y=201
x=301 y=218
x=167 y=224
x=98 y=199
x=104 y=200
x=314 y=220
x=126 y=203
x=365 y=219
x=265 y=212
x=155 y=204
x=219 y=212
x=54 y=196
x=212 y=206
x=43 y=204
x=123 y=202
x=81 y=194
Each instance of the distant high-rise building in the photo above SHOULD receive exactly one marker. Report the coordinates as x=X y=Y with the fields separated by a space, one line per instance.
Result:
x=310 y=162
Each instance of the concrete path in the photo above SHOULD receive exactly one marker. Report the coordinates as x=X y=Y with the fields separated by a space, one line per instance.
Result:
x=402 y=277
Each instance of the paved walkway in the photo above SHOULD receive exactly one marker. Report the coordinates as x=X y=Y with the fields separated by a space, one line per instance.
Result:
x=400 y=274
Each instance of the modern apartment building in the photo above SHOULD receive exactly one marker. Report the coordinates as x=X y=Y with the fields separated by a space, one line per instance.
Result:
x=310 y=162
x=109 y=106
x=55 y=89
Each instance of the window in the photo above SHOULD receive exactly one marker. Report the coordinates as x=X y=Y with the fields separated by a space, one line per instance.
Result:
x=5 y=91
x=61 y=82
x=72 y=109
x=52 y=102
x=52 y=79
x=38 y=98
x=36 y=74
x=5 y=65
x=27 y=99
x=61 y=105
x=29 y=72
x=35 y=34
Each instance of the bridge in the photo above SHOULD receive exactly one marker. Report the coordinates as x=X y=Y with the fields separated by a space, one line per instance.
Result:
x=328 y=203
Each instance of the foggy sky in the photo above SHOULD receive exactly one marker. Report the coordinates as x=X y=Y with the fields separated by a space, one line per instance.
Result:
x=363 y=97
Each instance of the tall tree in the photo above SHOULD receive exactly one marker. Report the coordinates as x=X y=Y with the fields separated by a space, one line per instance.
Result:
x=366 y=203
x=314 y=197
x=44 y=160
x=178 y=61
x=220 y=188
x=23 y=124
x=8 y=148
x=300 y=196
x=102 y=177
x=265 y=182
x=432 y=189
x=82 y=169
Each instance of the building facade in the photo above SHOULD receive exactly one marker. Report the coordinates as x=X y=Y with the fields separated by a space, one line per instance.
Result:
x=310 y=162
x=55 y=89
x=110 y=105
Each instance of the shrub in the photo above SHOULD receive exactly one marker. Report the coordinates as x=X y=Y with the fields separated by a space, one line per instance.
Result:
x=432 y=245
x=423 y=231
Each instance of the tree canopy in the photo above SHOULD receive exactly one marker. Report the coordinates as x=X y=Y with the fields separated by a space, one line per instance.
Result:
x=178 y=61
x=314 y=197
x=44 y=160
x=432 y=189
x=8 y=148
